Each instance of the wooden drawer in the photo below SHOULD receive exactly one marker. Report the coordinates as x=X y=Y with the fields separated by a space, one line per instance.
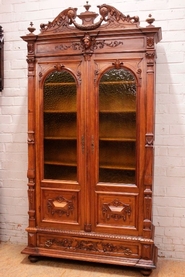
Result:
x=105 y=247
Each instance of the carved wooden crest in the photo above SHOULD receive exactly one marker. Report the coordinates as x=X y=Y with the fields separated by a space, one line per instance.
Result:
x=108 y=14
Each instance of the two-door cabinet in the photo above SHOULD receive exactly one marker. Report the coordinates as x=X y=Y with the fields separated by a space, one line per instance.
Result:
x=91 y=91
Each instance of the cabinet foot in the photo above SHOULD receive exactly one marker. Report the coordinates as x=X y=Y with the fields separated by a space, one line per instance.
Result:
x=33 y=259
x=146 y=271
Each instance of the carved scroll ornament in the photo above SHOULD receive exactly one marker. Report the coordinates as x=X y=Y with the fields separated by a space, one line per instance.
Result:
x=107 y=14
x=88 y=44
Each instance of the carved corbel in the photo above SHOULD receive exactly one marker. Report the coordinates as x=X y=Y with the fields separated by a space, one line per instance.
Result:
x=149 y=140
x=31 y=137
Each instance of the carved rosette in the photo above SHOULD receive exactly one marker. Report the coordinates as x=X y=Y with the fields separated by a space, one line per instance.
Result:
x=116 y=210
x=89 y=246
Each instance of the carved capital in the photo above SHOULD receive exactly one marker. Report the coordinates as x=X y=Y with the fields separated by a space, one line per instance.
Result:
x=150 y=55
x=30 y=61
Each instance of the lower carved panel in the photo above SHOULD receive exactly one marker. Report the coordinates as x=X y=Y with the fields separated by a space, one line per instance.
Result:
x=59 y=206
x=116 y=210
x=90 y=245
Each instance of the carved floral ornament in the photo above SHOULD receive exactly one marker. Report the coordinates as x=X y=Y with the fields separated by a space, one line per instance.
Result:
x=88 y=245
x=88 y=44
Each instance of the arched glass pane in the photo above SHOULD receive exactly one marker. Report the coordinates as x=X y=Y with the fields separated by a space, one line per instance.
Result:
x=60 y=127
x=117 y=127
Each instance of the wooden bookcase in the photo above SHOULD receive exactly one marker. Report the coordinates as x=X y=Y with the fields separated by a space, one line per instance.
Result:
x=91 y=107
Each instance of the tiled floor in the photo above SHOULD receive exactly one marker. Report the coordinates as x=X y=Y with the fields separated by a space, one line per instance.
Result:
x=15 y=264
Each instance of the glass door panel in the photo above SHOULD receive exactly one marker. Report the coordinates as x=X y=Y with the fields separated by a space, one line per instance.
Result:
x=60 y=127
x=117 y=127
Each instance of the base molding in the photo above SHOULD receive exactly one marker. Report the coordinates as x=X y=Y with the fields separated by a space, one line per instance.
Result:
x=145 y=266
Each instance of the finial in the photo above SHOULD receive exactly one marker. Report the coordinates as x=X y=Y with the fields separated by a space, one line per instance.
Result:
x=150 y=20
x=87 y=6
x=31 y=29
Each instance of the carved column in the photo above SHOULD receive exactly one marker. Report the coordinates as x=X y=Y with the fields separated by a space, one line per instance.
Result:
x=149 y=139
x=31 y=142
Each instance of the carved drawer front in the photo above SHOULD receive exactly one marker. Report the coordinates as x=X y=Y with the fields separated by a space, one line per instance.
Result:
x=116 y=210
x=59 y=206
x=106 y=246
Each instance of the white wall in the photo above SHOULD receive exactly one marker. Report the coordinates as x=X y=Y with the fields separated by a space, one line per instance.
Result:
x=169 y=200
